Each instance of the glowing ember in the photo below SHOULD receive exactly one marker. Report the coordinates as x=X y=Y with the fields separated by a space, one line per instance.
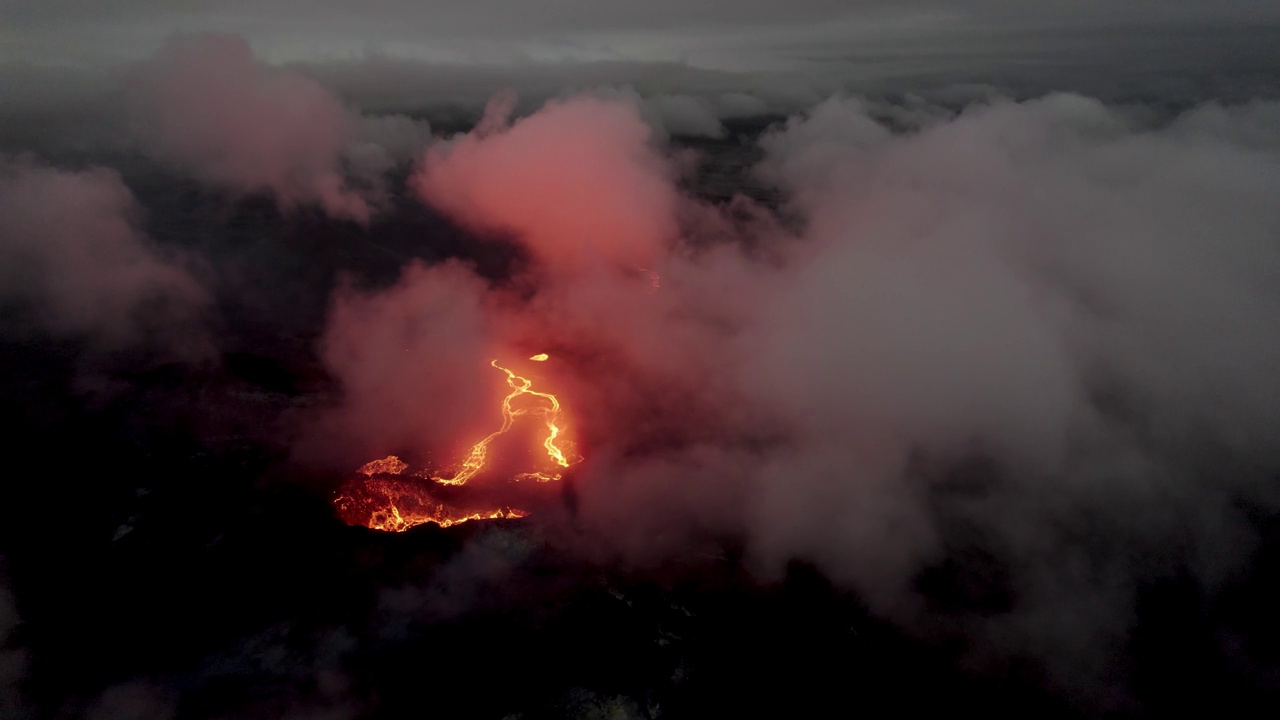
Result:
x=383 y=499
x=390 y=465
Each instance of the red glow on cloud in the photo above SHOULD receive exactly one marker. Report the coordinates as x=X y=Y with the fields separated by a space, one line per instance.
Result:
x=578 y=182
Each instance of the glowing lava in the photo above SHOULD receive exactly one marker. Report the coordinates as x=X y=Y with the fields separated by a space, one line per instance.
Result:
x=475 y=459
x=384 y=500
x=395 y=504
x=390 y=465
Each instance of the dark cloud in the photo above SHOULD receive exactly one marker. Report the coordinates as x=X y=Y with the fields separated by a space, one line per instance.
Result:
x=75 y=257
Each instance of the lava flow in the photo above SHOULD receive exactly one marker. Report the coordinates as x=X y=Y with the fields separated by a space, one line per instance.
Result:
x=395 y=504
x=383 y=498
x=519 y=386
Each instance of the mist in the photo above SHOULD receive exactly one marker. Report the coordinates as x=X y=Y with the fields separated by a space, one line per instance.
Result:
x=996 y=360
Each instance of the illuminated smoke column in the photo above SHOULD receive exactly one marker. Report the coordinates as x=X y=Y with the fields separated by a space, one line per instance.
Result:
x=578 y=182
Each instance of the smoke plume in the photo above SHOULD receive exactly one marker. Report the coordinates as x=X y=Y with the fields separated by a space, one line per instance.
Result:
x=577 y=182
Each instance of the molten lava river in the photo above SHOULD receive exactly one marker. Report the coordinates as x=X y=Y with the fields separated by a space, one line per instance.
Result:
x=387 y=495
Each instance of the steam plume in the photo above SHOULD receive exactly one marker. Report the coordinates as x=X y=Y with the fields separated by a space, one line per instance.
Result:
x=987 y=332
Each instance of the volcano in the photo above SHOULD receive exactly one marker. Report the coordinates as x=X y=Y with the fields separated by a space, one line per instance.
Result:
x=913 y=400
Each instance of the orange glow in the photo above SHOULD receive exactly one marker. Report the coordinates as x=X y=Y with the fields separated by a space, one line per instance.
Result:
x=383 y=498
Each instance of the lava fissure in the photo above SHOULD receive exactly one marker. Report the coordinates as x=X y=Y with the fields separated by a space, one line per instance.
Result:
x=383 y=500
x=519 y=385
